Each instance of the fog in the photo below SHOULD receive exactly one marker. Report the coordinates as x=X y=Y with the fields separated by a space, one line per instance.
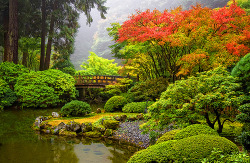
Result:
x=95 y=37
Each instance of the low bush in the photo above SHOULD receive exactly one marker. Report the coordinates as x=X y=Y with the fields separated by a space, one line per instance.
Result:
x=167 y=136
x=75 y=108
x=10 y=72
x=7 y=96
x=192 y=149
x=148 y=90
x=115 y=104
x=111 y=124
x=218 y=157
x=136 y=107
x=193 y=130
x=45 y=88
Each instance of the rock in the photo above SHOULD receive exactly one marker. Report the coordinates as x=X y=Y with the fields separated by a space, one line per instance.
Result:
x=56 y=131
x=140 y=117
x=98 y=111
x=47 y=131
x=132 y=119
x=44 y=125
x=55 y=115
x=64 y=132
x=123 y=118
x=92 y=134
x=38 y=121
x=73 y=126
x=61 y=126
x=86 y=127
x=111 y=124
x=108 y=132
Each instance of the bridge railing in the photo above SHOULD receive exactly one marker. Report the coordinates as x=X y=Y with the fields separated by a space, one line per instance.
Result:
x=96 y=79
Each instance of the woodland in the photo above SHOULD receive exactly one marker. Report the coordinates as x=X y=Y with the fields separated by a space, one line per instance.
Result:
x=185 y=69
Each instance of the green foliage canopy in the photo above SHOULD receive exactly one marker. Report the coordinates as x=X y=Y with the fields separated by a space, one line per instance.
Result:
x=99 y=66
x=212 y=93
x=45 y=88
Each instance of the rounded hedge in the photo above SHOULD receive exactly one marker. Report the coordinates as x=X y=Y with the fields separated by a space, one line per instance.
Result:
x=115 y=103
x=136 y=107
x=168 y=136
x=193 y=130
x=75 y=108
x=192 y=149
x=45 y=88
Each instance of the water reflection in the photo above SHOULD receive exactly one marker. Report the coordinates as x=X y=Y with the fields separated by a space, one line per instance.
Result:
x=19 y=143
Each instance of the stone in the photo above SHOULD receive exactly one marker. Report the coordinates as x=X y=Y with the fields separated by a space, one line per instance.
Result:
x=86 y=127
x=61 y=126
x=108 y=132
x=123 y=118
x=140 y=117
x=73 y=126
x=38 y=121
x=56 y=131
x=98 y=111
x=47 y=131
x=55 y=115
x=44 y=125
x=92 y=134
x=132 y=119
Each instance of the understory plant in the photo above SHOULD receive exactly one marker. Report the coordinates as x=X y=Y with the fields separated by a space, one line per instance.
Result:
x=75 y=108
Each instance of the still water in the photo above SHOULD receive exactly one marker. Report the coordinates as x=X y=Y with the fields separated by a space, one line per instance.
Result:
x=20 y=144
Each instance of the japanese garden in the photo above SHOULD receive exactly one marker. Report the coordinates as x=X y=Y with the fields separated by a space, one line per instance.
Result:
x=165 y=82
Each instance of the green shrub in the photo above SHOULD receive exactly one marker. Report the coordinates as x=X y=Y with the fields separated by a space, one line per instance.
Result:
x=196 y=129
x=167 y=136
x=45 y=88
x=10 y=72
x=218 y=157
x=241 y=70
x=136 y=107
x=192 y=149
x=148 y=90
x=115 y=103
x=69 y=70
x=7 y=96
x=111 y=124
x=75 y=108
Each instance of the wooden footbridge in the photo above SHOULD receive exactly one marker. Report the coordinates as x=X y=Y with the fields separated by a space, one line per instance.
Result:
x=95 y=81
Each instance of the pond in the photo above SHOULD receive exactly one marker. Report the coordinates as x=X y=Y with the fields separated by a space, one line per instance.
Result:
x=19 y=143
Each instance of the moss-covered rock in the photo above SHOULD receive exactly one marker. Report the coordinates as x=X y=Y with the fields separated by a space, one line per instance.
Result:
x=93 y=134
x=64 y=132
x=193 y=130
x=168 y=136
x=99 y=128
x=108 y=132
x=111 y=124
x=86 y=127
x=192 y=149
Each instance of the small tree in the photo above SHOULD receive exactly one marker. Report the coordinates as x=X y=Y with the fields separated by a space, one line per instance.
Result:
x=211 y=95
x=99 y=66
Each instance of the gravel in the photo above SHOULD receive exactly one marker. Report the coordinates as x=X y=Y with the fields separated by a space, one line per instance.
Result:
x=131 y=132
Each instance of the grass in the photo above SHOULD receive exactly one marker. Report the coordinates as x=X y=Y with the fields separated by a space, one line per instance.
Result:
x=92 y=118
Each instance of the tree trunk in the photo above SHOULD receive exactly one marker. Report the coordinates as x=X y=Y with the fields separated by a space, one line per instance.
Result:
x=50 y=39
x=210 y=124
x=6 y=38
x=25 y=57
x=13 y=31
x=43 y=35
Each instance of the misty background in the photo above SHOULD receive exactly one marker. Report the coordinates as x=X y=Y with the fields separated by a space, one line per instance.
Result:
x=95 y=37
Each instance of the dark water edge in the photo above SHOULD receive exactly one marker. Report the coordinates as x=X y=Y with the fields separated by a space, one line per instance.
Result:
x=19 y=143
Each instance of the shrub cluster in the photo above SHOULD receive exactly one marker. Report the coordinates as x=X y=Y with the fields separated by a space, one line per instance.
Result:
x=45 y=88
x=191 y=149
x=136 y=107
x=196 y=129
x=149 y=90
x=75 y=108
x=7 y=96
x=115 y=103
x=168 y=136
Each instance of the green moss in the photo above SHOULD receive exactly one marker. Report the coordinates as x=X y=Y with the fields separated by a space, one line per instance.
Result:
x=93 y=134
x=192 y=149
x=64 y=132
x=167 y=136
x=108 y=132
x=193 y=130
x=111 y=124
